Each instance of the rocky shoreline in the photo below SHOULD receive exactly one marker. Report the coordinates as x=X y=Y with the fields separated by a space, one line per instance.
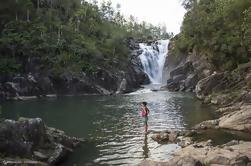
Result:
x=38 y=82
x=229 y=91
x=31 y=142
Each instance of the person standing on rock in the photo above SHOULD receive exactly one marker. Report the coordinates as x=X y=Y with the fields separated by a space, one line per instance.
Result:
x=144 y=113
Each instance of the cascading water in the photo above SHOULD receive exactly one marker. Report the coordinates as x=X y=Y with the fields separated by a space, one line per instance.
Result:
x=153 y=59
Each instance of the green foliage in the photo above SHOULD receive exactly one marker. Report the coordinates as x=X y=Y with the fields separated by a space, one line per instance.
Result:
x=66 y=35
x=219 y=28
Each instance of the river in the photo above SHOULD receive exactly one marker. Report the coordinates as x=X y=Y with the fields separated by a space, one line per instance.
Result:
x=112 y=124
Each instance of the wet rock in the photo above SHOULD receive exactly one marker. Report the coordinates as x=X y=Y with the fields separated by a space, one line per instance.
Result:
x=21 y=162
x=59 y=154
x=209 y=124
x=161 y=138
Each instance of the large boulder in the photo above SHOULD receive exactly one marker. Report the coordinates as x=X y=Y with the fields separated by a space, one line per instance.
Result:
x=238 y=120
x=182 y=70
x=208 y=84
x=191 y=81
x=20 y=137
x=205 y=154
x=31 y=141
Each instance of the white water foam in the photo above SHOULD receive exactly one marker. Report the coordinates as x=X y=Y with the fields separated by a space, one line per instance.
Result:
x=153 y=59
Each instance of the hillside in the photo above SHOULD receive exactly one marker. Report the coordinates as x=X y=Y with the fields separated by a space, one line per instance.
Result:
x=68 y=47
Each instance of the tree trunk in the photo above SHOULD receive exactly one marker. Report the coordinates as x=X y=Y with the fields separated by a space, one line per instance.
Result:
x=16 y=17
x=16 y=11
x=28 y=15
x=38 y=3
x=114 y=50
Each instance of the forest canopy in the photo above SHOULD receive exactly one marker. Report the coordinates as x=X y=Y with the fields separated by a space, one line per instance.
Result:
x=72 y=35
x=217 y=29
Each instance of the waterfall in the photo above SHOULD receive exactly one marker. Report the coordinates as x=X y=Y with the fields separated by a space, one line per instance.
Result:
x=153 y=59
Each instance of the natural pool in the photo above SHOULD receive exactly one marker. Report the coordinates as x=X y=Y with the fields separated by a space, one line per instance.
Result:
x=112 y=124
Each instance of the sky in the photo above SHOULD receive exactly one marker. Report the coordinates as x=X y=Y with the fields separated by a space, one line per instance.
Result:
x=157 y=12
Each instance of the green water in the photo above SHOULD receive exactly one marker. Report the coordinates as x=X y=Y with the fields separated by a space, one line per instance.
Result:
x=112 y=124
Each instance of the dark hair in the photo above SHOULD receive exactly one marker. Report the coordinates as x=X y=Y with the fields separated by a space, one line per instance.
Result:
x=144 y=103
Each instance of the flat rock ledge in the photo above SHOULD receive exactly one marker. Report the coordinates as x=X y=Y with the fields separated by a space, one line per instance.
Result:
x=234 y=118
x=31 y=142
x=234 y=153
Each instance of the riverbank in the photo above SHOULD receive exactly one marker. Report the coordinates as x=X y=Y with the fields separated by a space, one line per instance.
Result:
x=201 y=154
x=228 y=91
x=123 y=76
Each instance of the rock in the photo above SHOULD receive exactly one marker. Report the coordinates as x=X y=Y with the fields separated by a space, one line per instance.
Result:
x=205 y=86
x=173 y=86
x=238 y=120
x=161 y=138
x=186 y=161
x=184 y=141
x=242 y=160
x=122 y=87
x=228 y=109
x=40 y=156
x=191 y=81
x=209 y=155
x=59 y=154
x=106 y=79
x=21 y=162
x=231 y=143
x=209 y=124
x=132 y=43
x=221 y=160
x=45 y=84
x=29 y=139
x=19 y=137
x=221 y=99
x=182 y=70
x=178 y=78
x=153 y=163
x=12 y=88
x=173 y=136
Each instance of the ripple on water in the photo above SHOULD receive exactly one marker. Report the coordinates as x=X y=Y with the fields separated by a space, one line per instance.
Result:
x=112 y=124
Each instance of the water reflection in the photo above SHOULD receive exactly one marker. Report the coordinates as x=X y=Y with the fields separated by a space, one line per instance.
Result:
x=113 y=124
x=145 y=147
